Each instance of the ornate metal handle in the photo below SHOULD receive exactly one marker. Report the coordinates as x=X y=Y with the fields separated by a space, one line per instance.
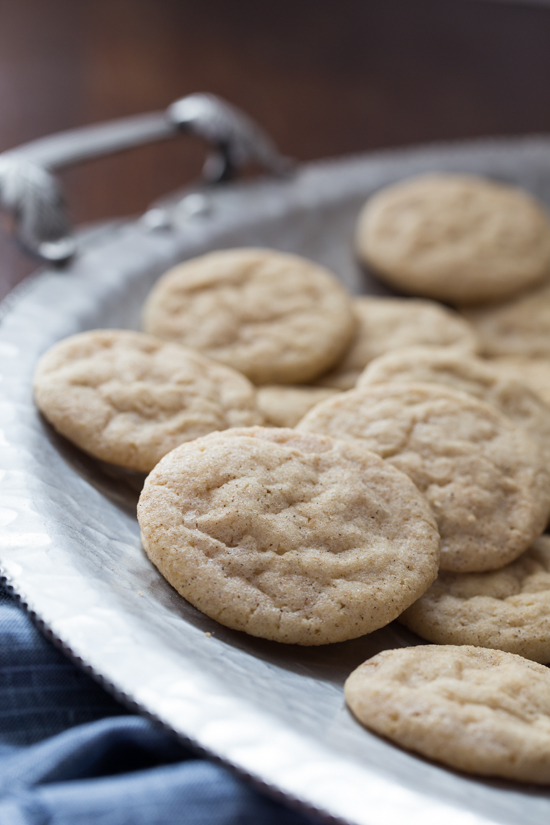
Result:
x=30 y=193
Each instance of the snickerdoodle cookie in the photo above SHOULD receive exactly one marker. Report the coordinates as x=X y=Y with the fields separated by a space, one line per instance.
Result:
x=387 y=324
x=506 y=609
x=468 y=374
x=278 y=318
x=482 y=474
x=480 y=711
x=284 y=405
x=129 y=398
x=293 y=537
x=456 y=238
x=518 y=327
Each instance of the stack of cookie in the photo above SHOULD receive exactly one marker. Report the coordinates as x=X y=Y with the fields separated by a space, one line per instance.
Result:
x=315 y=459
x=289 y=536
x=481 y=246
x=464 y=241
x=467 y=241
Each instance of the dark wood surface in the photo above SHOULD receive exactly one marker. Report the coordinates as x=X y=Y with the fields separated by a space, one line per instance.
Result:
x=323 y=78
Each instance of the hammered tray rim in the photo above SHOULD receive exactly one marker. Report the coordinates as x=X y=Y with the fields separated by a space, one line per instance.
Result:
x=19 y=300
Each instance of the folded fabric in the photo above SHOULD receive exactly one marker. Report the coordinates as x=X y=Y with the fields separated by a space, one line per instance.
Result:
x=69 y=753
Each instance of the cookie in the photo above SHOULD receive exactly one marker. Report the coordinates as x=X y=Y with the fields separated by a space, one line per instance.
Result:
x=278 y=318
x=128 y=398
x=288 y=536
x=284 y=406
x=387 y=324
x=534 y=372
x=481 y=711
x=519 y=327
x=506 y=609
x=467 y=374
x=456 y=238
x=482 y=475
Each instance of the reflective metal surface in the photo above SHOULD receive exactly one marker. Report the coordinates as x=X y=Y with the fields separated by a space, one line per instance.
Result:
x=30 y=193
x=70 y=545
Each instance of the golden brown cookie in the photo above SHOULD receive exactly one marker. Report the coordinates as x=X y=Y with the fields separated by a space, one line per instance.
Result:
x=456 y=238
x=518 y=327
x=468 y=374
x=278 y=318
x=482 y=475
x=480 y=711
x=289 y=536
x=387 y=324
x=284 y=406
x=506 y=609
x=129 y=398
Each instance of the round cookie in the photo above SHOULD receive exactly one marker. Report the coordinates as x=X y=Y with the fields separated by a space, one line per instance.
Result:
x=278 y=318
x=480 y=711
x=506 y=609
x=128 y=398
x=288 y=536
x=456 y=238
x=467 y=374
x=482 y=475
x=519 y=327
x=284 y=406
x=387 y=324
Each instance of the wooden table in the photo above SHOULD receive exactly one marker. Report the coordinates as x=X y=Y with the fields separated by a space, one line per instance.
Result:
x=323 y=78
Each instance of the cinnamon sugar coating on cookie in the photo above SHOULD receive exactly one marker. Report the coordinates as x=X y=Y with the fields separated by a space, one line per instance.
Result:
x=506 y=609
x=388 y=324
x=289 y=536
x=456 y=238
x=484 y=476
x=481 y=711
x=278 y=318
x=486 y=380
x=128 y=398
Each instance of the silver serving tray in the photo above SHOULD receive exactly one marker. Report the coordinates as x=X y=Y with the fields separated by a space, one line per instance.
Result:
x=70 y=545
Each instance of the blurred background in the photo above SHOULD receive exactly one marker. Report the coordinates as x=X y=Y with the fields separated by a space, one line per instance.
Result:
x=323 y=78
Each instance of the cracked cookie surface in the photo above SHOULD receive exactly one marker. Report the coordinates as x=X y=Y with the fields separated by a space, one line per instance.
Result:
x=483 y=379
x=506 y=609
x=482 y=474
x=288 y=536
x=387 y=324
x=277 y=318
x=456 y=238
x=480 y=711
x=129 y=398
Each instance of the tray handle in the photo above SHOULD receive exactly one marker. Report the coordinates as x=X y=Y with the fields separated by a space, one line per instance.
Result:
x=31 y=194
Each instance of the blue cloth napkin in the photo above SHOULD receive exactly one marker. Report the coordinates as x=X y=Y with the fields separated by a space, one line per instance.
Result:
x=71 y=755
